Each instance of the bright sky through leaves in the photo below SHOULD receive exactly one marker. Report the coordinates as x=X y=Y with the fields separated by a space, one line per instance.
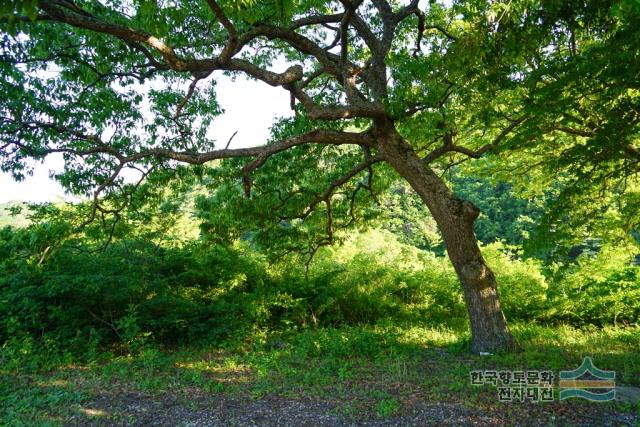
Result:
x=241 y=99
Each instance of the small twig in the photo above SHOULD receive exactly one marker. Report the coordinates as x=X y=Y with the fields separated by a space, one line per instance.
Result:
x=44 y=255
x=186 y=98
x=104 y=322
x=230 y=139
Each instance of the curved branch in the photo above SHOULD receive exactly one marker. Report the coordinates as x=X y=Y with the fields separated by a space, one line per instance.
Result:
x=329 y=61
x=316 y=20
x=232 y=43
x=260 y=153
x=349 y=14
x=359 y=108
x=341 y=181
x=138 y=38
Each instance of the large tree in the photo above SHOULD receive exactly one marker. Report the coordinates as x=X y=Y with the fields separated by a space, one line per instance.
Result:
x=130 y=84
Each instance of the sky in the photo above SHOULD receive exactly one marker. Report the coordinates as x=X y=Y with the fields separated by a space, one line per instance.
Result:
x=250 y=108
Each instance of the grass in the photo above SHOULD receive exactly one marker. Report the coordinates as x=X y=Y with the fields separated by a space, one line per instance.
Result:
x=364 y=372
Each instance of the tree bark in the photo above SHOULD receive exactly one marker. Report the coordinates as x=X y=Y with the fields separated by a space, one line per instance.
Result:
x=455 y=219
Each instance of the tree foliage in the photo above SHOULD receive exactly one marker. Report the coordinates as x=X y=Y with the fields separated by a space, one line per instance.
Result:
x=543 y=72
x=380 y=90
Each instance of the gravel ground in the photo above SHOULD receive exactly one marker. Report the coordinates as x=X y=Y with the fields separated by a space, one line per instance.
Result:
x=223 y=410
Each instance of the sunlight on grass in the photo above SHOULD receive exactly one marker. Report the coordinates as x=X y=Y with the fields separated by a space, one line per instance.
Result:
x=94 y=412
x=374 y=369
x=608 y=340
x=430 y=336
x=52 y=383
x=228 y=371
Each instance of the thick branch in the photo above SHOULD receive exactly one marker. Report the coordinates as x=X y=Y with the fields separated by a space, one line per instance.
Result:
x=574 y=131
x=58 y=12
x=232 y=43
x=344 y=71
x=318 y=136
x=316 y=20
x=412 y=9
x=260 y=153
x=335 y=112
x=197 y=67
x=406 y=11
x=329 y=61
x=349 y=13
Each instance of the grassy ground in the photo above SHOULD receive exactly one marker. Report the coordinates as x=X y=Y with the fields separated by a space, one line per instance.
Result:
x=387 y=374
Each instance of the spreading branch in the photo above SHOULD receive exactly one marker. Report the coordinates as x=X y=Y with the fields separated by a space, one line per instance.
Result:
x=450 y=147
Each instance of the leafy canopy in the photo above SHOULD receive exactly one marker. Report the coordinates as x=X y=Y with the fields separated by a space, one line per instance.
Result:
x=116 y=86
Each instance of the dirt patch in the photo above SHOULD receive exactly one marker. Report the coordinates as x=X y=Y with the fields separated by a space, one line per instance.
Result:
x=136 y=409
x=628 y=394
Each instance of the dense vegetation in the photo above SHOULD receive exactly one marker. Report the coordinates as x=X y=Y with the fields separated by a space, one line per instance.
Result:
x=146 y=311
x=153 y=284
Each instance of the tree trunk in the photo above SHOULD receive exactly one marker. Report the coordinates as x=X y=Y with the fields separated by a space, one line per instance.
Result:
x=455 y=219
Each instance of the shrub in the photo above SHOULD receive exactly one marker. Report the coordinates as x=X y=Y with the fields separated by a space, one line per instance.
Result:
x=522 y=286
x=598 y=290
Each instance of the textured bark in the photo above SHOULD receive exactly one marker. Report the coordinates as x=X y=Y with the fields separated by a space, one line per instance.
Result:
x=455 y=219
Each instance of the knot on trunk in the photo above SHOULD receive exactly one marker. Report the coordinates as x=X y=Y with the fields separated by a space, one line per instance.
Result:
x=465 y=209
x=292 y=74
x=470 y=211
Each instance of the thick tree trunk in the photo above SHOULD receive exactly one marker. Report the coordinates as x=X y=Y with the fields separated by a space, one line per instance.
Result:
x=455 y=219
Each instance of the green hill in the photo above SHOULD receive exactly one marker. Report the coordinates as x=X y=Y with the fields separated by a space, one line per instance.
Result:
x=17 y=220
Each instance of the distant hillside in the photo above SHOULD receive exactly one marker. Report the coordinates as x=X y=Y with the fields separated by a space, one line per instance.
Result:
x=6 y=218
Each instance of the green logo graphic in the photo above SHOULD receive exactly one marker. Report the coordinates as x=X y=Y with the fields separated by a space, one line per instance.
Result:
x=588 y=382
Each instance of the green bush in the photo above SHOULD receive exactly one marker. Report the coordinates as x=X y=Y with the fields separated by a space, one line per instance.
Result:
x=522 y=286
x=600 y=290
x=373 y=277
x=129 y=293
x=74 y=298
